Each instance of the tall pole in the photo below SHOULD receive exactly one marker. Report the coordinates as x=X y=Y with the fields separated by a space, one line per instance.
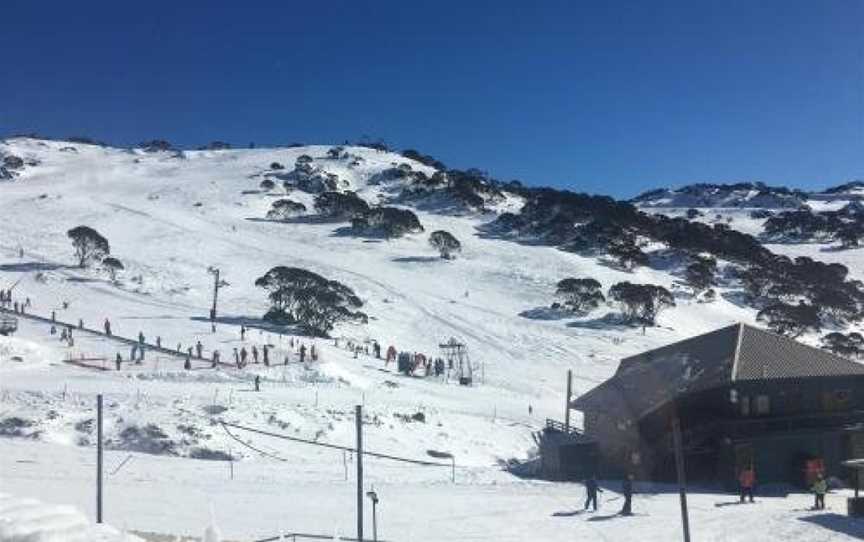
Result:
x=375 y=520
x=682 y=483
x=358 y=418
x=567 y=400
x=99 y=458
x=215 y=272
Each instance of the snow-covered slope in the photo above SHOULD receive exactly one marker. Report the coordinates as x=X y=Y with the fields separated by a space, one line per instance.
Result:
x=170 y=216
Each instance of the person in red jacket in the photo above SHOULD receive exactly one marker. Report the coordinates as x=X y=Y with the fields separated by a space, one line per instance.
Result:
x=747 y=479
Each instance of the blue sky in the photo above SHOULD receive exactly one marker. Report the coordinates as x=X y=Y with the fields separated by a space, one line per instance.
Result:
x=604 y=97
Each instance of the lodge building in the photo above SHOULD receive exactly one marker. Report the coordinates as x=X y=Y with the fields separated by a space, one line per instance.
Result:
x=744 y=396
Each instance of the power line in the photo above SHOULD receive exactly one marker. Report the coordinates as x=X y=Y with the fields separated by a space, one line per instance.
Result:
x=335 y=446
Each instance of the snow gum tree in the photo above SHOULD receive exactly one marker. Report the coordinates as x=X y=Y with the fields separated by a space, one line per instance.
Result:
x=89 y=245
x=641 y=303
x=112 y=265
x=445 y=243
x=580 y=295
x=299 y=296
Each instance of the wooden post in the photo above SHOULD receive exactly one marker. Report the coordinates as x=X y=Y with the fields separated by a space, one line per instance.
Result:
x=682 y=483
x=567 y=401
x=358 y=418
x=99 y=458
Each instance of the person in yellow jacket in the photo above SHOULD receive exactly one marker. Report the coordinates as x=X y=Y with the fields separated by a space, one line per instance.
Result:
x=820 y=487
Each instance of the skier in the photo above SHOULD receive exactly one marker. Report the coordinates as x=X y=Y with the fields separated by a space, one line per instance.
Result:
x=302 y=353
x=242 y=333
x=63 y=336
x=820 y=487
x=53 y=330
x=236 y=358
x=254 y=353
x=377 y=348
x=591 y=490
x=53 y=316
x=107 y=327
x=118 y=361
x=313 y=353
x=140 y=337
x=243 y=356
x=199 y=348
x=65 y=305
x=746 y=480
x=188 y=363
x=27 y=303
x=158 y=342
x=627 y=490
x=266 y=353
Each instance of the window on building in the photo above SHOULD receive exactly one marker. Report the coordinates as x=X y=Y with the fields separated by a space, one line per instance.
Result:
x=763 y=404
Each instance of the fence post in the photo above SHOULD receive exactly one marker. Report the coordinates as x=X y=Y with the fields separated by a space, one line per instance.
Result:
x=567 y=401
x=682 y=483
x=99 y=458
x=358 y=417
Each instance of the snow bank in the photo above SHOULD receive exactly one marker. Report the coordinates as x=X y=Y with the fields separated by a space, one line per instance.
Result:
x=29 y=520
x=18 y=353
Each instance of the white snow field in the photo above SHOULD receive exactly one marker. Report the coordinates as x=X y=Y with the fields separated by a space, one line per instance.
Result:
x=169 y=218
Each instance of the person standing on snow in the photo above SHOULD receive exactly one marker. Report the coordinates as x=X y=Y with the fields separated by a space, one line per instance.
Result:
x=747 y=479
x=188 y=363
x=820 y=488
x=265 y=350
x=215 y=358
x=302 y=353
x=243 y=356
x=627 y=491
x=254 y=353
x=236 y=358
x=199 y=349
x=140 y=337
x=242 y=333
x=591 y=490
x=118 y=360
x=107 y=327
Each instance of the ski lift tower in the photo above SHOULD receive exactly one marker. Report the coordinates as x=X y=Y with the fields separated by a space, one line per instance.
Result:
x=456 y=354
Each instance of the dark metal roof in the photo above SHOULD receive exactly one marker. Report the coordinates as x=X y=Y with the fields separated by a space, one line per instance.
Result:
x=765 y=356
x=735 y=353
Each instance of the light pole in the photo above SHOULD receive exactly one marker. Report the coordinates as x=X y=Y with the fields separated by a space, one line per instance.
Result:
x=374 y=498
x=445 y=455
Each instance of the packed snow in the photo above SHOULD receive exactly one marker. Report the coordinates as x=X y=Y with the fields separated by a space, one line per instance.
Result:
x=172 y=467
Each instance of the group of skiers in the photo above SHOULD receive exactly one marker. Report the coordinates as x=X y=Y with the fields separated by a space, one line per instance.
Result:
x=412 y=364
x=592 y=489
x=747 y=484
x=18 y=307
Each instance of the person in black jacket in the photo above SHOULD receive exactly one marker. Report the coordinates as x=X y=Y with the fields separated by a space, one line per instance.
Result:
x=591 y=490
x=627 y=491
